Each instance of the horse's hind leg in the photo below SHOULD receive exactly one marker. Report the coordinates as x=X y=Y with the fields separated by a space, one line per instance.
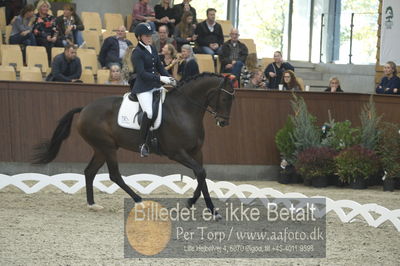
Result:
x=116 y=177
x=91 y=170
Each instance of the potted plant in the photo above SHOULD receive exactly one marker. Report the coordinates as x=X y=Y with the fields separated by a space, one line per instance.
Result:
x=316 y=164
x=355 y=165
x=285 y=143
x=389 y=154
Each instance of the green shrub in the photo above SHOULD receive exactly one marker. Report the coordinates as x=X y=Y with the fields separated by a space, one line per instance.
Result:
x=285 y=143
x=341 y=135
x=388 y=149
x=369 y=125
x=356 y=161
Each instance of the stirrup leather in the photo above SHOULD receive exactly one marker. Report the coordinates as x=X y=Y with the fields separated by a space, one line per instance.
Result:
x=144 y=150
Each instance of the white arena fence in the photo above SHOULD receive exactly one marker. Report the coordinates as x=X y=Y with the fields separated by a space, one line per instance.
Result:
x=222 y=189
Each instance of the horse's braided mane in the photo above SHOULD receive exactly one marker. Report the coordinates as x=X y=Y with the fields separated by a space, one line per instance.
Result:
x=201 y=75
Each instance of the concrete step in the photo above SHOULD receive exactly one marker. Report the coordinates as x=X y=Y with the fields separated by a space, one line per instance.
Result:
x=302 y=64
x=309 y=74
x=316 y=83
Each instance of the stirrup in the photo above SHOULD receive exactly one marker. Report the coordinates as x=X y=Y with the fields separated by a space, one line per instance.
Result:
x=144 y=150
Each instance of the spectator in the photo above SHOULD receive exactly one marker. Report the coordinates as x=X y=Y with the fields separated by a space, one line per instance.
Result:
x=116 y=77
x=161 y=39
x=210 y=37
x=142 y=12
x=248 y=69
x=188 y=66
x=127 y=66
x=21 y=32
x=44 y=28
x=70 y=26
x=390 y=83
x=256 y=80
x=114 y=48
x=66 y=67
x=274 y=71
x=334 y=85
x=184 y=31
x=290 y=82
x=165 y=15
x=183 y=7
x=233 y=55
x=168 y=58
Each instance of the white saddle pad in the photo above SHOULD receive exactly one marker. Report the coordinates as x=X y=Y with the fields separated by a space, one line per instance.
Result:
x=127 y=117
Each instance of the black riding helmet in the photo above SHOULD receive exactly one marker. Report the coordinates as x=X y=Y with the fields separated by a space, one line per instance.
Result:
x=143 y=28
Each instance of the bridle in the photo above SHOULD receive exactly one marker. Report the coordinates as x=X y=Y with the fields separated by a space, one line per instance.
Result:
x=220 y=89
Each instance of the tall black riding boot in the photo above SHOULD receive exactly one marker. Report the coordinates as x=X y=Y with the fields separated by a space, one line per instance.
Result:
x=144 y=131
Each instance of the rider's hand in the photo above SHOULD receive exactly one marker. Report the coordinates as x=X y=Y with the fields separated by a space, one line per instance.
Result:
x=168 y=80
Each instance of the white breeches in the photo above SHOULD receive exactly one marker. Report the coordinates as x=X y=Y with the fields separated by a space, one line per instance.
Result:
x=146 y=101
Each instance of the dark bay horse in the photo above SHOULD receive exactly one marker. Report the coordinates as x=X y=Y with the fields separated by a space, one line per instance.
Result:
x=180 y=136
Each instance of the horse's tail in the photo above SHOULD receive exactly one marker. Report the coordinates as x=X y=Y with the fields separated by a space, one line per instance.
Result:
x=47 y=151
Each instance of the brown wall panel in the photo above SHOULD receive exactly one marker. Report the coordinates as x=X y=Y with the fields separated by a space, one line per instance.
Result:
x=30 y=111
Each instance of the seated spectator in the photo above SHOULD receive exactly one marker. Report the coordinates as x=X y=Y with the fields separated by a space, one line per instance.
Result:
x=188 y=66
x=165 y=15
x=210 y=37
x=183 y=7
x=168 y=58
x=248 y=69
x=233 y=55
x=334 y=85
x=44 y=28
x=70 y=26
x=142 y=12
x=184 y=31
x=161 y=39
x=256 y=80
x=290 y=82
x=390 y=83
x=274 y=71
x=21 y=32
x=116 y=77
x=66 y=67
x=114 y=48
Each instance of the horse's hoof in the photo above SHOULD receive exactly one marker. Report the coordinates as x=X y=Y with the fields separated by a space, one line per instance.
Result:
x=217 y=217
x=95 y=207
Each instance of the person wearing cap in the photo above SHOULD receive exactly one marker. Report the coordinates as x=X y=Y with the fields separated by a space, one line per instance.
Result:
x=150 y=73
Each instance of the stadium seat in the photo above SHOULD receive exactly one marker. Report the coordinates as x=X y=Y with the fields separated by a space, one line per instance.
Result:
x=30 y=74
x=226 y=26
x=88 y=59
x=205 y=62
x=7 y=35
x=251 y=45
x=11 y=55
x=7 y=73
x=92 y=40
x=128 y=21
x=301 y=82
x=56 y=51
x=102 y=76
x=107 y=34
x=1 y=37
x=2 y=18
x=87 y=76
x=112 y=21
x=36 y=56
x=92 y=22
x=131 y=36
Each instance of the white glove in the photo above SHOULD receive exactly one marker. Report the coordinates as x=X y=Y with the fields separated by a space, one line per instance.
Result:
x=167 y=80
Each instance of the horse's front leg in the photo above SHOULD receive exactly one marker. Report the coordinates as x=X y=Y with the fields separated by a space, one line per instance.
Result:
x=197 y=166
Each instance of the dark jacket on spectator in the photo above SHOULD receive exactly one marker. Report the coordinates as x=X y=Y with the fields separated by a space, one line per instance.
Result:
x=387 y=85
x=337 y=90
x=161 y=12
x=188 y=68
x=64 y=70
x=275 y=81
x=206 y=36
x=226 y=57
x=60 y=25
x=178 y=11
x=109 y=52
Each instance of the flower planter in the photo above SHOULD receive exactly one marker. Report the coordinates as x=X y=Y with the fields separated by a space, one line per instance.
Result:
x=389 y=184
x=319 y=181
x=288 y=175
x=359 y=183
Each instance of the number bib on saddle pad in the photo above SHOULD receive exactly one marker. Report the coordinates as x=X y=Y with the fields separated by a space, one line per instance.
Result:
x=128 y=113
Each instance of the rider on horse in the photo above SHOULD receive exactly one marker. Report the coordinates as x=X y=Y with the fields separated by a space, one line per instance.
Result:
x=149 y=75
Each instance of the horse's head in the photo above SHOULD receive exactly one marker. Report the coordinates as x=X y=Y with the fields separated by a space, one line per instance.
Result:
x=220 y=100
